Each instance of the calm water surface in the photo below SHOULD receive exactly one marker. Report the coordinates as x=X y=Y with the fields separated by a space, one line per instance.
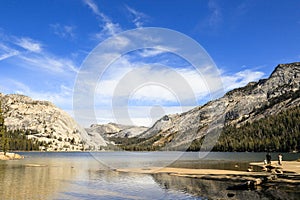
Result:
x=91 y=176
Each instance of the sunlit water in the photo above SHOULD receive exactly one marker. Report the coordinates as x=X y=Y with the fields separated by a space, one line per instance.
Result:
x=92 y=176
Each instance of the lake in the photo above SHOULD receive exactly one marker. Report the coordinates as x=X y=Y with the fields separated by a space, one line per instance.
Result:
x=83 y=175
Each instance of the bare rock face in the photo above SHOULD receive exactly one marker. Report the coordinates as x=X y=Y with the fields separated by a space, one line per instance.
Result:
x=115 y=130
x=247 y=104
x=43 y=121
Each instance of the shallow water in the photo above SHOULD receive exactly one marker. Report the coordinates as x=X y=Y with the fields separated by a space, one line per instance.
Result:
x=90 y=176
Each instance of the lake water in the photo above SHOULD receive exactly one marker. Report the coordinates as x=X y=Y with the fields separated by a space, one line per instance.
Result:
x=86 y=175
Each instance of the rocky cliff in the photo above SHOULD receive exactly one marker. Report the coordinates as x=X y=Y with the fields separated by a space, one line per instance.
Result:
x=43 y=121
x=247 y=104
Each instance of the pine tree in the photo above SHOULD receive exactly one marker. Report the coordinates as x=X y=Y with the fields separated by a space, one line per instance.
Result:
x=4 y=139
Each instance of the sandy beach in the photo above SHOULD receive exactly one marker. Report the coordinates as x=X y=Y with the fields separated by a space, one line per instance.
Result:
x=290 y=169
x=182 y=171
x=287 y=166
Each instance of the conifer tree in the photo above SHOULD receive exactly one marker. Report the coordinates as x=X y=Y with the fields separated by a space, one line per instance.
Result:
x=4 y=140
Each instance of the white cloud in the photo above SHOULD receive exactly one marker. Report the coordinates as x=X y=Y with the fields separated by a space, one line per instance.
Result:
x=61 y=98
x=138 y=115
x=155 y=85
x=48 y=63
x=29 y=44
x=213 y=19
x=28 y=53
x=93 y=7
x=63 y=31
x=151 y=52
x=241 y=79
x=152 y=83
x=7 y=52
x=50 y=76
x=138 y=17
x=108 y=28
x=216 y=15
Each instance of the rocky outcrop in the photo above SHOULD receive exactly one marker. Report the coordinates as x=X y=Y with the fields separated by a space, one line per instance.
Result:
x=43 y=121
x=10 y=156
x=254 y=101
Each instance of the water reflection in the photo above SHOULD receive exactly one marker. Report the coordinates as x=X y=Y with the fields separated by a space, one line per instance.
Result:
x=213 y=189
x=25 y=181
x=108 y=184
x=81 y=176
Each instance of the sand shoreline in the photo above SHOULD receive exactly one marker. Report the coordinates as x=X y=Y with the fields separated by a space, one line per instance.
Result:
x=290 y=169
x=287 y=166
x=10 y=156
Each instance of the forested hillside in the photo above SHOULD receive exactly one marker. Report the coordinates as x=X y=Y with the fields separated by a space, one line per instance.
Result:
x=261 y=116
x=279 y=132
x=15 y=140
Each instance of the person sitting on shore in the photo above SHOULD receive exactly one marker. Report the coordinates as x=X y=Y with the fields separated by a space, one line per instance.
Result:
x=268 y=157
x=279 y=159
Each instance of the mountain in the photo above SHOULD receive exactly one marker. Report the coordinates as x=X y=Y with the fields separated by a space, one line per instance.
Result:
x=115 y=130
x=44 y=122
x=237 y=108
x=113 y=133
x=263 y=113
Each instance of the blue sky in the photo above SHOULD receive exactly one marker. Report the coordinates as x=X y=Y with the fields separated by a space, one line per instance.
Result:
x=44 y=43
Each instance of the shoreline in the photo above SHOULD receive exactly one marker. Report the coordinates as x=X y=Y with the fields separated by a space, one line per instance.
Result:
x=290 y=169
x=10 y=156
x=286 y=167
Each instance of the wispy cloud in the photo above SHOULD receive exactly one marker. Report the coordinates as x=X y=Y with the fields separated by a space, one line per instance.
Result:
x=213 y=19
x=108 y=28
x=92 y=5
x=29 y=44
x=216 y=15
x=241 y=78
x=138 y=18
x=63 y=31
x=62 y=97
x=7 y=52
x=150 y=52
x=45 y=76
x=28 y=53
x=48 y=63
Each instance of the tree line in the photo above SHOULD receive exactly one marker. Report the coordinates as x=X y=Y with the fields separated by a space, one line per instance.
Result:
x=15 y=140
x=136 y=143
x=280 y=132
